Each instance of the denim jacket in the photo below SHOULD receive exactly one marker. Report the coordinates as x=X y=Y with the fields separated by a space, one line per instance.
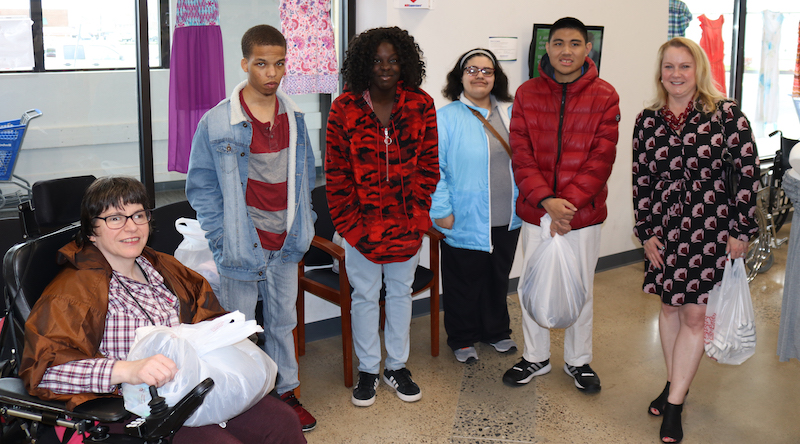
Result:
x=217 y=180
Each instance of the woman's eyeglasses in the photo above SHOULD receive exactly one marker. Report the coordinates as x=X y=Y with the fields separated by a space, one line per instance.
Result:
x=474 y=70
x=117 y=221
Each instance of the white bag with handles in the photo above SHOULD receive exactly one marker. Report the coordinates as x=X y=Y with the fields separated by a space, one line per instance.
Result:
x=194 y=252
x=552 y=288
x=730 y=328
x=218 y=348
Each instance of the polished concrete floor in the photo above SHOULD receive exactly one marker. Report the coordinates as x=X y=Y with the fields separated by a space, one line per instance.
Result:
x=756 y=402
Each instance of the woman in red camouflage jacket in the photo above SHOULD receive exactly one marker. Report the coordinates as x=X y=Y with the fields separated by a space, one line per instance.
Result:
x=382 y=167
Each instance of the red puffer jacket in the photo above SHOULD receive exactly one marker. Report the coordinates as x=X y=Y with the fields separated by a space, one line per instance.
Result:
x=564 y=138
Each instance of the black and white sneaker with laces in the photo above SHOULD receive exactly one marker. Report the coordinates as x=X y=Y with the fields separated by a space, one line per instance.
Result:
x=585 y=378
x=524 y=371
x=364 y=392
x=401 y=382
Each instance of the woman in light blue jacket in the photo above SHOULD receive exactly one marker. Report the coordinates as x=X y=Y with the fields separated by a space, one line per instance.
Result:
x=474 y=205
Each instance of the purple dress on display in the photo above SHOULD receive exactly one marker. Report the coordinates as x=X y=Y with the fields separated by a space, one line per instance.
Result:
x=197 y=76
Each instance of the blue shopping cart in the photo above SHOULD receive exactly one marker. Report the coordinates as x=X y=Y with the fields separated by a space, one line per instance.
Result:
x=12 y=133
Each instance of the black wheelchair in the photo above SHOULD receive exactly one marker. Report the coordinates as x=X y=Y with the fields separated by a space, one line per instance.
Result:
x=772 y=178
x=28 y=268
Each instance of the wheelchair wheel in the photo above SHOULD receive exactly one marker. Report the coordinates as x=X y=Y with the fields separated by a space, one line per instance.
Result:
x=780 y=207
x=759 y=257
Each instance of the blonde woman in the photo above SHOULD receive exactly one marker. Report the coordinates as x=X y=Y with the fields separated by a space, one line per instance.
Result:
x=685 y=219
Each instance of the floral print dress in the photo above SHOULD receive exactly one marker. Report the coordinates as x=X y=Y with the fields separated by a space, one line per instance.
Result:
x=679 y=196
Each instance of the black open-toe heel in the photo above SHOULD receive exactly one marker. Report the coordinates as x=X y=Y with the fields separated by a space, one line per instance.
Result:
x=671 y=426
x=657 y=406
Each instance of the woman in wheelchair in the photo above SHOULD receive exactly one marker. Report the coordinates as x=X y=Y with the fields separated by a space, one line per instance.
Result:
x=80 y=331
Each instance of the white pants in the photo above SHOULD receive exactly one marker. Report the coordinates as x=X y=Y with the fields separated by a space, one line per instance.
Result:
x=578 y=337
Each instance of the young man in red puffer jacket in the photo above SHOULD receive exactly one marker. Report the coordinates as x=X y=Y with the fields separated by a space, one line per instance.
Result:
x=564 y=131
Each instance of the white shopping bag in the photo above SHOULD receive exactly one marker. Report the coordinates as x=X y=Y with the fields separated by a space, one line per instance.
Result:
x=730 y=330
x=194 y=252
x=552 y=288
x=243 y=374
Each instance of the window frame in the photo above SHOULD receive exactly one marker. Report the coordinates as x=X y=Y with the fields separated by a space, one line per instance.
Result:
x=36 y=15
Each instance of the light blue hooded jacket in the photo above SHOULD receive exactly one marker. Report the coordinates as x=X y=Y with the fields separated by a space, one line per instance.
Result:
x=463 y=188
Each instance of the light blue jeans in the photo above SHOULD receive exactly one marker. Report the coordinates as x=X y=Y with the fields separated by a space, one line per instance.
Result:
x=278 y=291
x=365 y=278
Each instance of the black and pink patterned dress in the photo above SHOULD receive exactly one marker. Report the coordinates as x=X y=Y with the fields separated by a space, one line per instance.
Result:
x=679 y=196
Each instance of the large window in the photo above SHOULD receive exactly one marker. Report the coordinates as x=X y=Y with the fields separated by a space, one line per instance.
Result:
x=91 y=34
x=769 y=62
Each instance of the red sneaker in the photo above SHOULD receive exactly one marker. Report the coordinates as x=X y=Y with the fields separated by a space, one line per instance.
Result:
x=306 y=419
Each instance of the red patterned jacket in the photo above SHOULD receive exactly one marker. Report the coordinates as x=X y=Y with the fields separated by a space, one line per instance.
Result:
x=564 y=139
x=381 y=206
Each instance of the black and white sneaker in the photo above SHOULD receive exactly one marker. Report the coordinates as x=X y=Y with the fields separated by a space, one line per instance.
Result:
x=524 y=371
x=401 y=382
x=585 y=378
x=364 y=392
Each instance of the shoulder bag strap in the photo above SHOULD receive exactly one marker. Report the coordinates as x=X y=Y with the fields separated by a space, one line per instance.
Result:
x=491 y=129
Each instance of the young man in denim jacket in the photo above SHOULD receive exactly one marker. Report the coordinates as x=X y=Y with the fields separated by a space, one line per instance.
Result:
x=250 y=177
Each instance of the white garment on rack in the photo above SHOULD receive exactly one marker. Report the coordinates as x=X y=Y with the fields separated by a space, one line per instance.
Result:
x=767 y=100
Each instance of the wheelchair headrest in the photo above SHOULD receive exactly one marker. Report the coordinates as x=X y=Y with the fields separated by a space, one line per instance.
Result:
x=57 y=202
x=30 y=266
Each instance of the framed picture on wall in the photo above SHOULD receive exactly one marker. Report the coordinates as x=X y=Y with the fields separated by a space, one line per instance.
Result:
x=540 y=35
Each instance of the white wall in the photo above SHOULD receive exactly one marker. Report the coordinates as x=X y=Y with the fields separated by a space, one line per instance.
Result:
x=634 y=30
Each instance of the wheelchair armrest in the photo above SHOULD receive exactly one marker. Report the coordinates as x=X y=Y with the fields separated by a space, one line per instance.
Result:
x=328 y=247
x=103 y=409
x=12 y=391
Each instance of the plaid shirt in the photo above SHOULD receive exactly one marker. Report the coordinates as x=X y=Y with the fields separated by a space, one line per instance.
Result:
x=123 y=318
x=679 y=18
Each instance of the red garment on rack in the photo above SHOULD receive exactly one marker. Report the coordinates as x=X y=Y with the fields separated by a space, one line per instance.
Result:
x=714 y=46
x=796 y=86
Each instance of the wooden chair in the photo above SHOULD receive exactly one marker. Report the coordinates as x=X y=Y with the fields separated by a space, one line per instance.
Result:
x=335 y=288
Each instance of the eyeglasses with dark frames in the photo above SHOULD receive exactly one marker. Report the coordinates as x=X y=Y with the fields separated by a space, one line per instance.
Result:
x=117 y=221
x=474 y=70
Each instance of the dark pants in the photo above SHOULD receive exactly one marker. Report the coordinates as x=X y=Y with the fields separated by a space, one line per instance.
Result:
x=269 y=421
x=475 y=287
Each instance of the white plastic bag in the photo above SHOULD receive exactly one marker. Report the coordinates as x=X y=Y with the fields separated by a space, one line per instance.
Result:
x=338 y=240
x=552 y=288
x=194 y=252
x=730 y=329
x=219 y=349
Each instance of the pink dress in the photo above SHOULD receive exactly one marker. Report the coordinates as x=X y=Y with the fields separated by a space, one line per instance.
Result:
x=311 y=65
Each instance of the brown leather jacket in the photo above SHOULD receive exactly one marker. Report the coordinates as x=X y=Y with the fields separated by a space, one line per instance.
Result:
x=68 y=321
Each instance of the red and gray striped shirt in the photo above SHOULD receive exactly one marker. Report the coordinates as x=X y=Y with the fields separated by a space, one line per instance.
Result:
x=267 y=174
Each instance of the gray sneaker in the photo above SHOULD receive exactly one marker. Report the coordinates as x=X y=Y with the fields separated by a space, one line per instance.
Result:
x=505 y=345
x=466 y=355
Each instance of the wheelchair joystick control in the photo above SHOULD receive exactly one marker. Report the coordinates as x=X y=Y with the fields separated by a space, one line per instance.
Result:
x=164 y=420
x=158 y=405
